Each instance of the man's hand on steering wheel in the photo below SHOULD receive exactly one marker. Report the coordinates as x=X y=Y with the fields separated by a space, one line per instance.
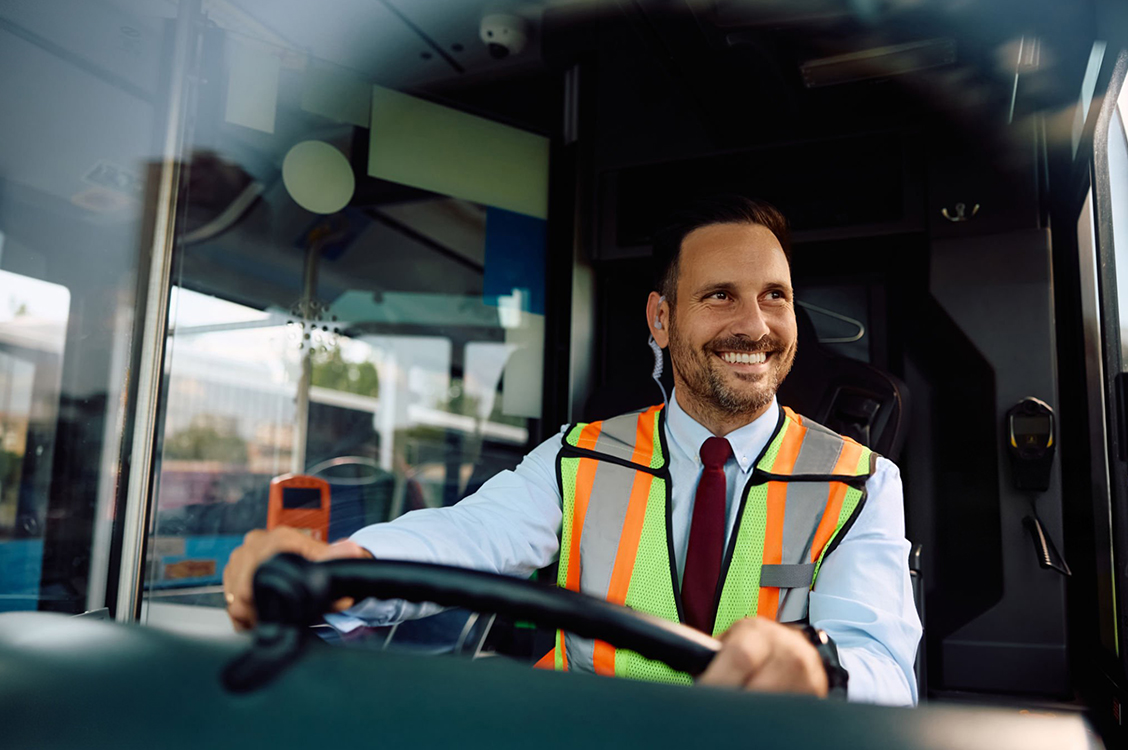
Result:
x=260 y=545
x=763 y=655
x=756 y=653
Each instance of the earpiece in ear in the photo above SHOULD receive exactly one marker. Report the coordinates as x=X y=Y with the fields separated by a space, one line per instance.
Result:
x=659 y=363
x=657 y=323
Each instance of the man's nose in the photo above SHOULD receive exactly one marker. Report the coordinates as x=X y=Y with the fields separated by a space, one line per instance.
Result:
x=750 y=322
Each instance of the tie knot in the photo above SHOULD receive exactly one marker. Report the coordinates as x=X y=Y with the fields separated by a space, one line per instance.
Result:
x=714 y=452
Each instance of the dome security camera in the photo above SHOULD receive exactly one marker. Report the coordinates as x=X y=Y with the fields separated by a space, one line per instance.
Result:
x=504 y=34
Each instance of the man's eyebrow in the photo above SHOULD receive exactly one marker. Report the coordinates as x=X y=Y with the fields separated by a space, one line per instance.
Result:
x=779 y=286
x=716 y=286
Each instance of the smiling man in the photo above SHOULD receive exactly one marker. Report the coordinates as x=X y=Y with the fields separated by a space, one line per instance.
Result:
x=721 y=509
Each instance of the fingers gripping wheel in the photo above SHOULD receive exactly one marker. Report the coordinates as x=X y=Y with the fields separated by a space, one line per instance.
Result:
x=290 y=595
x=290 y=590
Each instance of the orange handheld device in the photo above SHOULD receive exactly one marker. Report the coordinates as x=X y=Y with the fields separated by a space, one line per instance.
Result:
x=301 y=502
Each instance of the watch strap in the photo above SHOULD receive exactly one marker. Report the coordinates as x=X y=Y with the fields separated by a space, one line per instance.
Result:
x=837 y=678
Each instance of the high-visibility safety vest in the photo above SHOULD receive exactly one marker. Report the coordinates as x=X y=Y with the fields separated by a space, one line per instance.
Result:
x=804 y=493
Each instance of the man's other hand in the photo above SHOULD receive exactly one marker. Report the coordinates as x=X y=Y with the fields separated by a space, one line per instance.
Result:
x=259 y=546
x=763 y=655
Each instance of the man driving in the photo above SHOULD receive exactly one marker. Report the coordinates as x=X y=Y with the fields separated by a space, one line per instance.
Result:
x=720 y=509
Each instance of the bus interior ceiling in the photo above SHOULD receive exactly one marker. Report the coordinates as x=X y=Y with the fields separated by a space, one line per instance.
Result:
x=916 y=148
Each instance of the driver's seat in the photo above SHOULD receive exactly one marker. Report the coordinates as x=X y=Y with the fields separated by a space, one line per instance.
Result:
x=851 y=397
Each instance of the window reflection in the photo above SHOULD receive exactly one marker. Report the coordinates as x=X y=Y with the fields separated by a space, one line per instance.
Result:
x=86 y=93
x=347 y=307
x=33 y=320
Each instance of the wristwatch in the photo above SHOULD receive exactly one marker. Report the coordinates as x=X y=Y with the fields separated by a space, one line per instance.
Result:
x=836 y=676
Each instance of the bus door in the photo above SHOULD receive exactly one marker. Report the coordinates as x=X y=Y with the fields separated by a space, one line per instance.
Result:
x=1094 y=370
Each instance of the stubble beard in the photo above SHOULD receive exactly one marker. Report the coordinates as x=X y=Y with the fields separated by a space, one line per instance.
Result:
x=704 y=377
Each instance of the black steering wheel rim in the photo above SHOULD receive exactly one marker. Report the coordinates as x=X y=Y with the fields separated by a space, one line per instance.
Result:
x=292 y=591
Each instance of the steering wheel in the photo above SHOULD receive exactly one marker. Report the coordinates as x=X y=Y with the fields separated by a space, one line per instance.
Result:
x=292 y=593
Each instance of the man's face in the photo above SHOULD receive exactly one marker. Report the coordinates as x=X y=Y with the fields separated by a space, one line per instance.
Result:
x=732 y=331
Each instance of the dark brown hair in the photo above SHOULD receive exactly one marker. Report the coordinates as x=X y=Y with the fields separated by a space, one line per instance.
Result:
x=718 y=209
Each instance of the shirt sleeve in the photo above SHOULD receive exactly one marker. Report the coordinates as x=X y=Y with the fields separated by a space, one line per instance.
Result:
x=510 y=526
x=863 y=597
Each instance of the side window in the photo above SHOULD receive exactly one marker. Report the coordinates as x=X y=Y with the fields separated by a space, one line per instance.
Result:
x=33 y=325
x=358 y=299
x=74 y=162
x=1118 y=190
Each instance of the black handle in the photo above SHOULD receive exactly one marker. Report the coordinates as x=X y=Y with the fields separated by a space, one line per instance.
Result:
x=292 y=590
x=1048 y=556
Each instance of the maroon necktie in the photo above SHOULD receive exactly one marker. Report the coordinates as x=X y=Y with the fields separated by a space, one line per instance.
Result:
x=706 y=537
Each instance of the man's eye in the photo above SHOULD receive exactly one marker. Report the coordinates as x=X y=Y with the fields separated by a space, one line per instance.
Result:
x=719 y=295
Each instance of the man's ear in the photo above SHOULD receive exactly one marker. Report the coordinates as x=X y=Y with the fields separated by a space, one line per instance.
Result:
x=658 y=318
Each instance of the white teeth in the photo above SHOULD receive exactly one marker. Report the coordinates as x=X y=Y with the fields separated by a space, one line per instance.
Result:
x=744 y=359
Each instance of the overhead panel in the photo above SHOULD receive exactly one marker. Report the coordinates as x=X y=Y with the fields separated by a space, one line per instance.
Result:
x=426 y=145
x=362 y=35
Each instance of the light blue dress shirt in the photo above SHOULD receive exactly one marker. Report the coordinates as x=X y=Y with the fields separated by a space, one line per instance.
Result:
x=863 y=598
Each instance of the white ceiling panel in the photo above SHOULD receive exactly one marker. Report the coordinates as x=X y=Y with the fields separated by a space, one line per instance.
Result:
x=394 y=42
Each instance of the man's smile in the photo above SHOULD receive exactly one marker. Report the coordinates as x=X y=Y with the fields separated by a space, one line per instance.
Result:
x=751 y=362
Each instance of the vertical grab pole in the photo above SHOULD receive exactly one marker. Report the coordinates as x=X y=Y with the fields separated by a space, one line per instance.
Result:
x=305 y=380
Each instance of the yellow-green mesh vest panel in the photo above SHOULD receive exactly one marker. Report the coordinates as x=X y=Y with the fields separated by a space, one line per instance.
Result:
x=741 y=592
x=652 y=589
x=569 y=467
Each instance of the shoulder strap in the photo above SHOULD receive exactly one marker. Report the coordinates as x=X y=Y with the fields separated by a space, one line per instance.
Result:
x=822 y=455
x=635 y=439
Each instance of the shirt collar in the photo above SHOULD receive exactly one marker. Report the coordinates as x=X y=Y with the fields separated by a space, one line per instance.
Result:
x=747 y=442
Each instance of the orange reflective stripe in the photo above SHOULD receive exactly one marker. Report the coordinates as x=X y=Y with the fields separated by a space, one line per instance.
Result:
x=847 y=464
x=548 y=661
x=562 y=650
x=603 y=658
x=768 y=603
x=629 y=538
x=604 y=653
x=585 y=479
x=589 y=435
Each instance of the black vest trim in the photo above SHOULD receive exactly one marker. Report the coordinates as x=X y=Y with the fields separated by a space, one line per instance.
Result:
x=570 y=451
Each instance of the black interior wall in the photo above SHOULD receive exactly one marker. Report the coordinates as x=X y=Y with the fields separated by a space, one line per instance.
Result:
x=866 y=173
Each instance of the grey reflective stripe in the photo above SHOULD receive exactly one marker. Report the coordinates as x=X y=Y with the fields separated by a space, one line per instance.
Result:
x=819 y=452
x=793 y=605
x=814 y=427
x=617 y=436
x=806 y=503
x=787 y=576
x=581 y=653
x=603 y=525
